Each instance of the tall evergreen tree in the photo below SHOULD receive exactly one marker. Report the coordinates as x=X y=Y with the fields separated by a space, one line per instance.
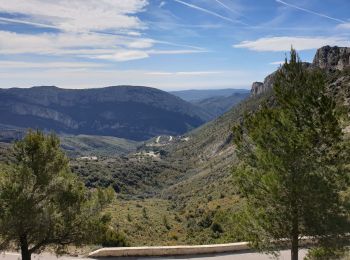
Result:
x=43 y=204
x=292 y=166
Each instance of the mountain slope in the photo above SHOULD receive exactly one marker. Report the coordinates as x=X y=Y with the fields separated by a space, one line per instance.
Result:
x=136 y=113
x=218 y=105
x=205 y=191
x=88 y=145
x=79 y=145
x=194 y=95
x=212 y=142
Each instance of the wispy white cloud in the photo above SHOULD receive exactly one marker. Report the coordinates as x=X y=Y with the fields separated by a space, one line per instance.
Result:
x=123 y=55
x=81 y=28
x=344 y=26
x=126 y=55
x=59 y=43
x=163 y=3
x=79 y=15
x=311 y=12
x=174 y=52
x=47 y=65
x=204 y=10
x=285 y=43
x=277 y=62
x=184 y=73
x=171 y=25
x=88 y=45
x=78 y=36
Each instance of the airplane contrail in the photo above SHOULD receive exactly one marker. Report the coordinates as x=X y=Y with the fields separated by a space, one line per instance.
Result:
x=227 y=7
x=209 y=12
x=11 y=20
x=310 y=11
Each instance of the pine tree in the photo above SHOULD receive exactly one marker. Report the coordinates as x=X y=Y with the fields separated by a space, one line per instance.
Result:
x=43 y=204
x=292 y=168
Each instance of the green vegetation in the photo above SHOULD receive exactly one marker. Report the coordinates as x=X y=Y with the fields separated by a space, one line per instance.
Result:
x=135 y=176
x=87 y=145
x=78 y=145
x=292 y=166
x=43 y=204
x=114 y=239
x=148 y=228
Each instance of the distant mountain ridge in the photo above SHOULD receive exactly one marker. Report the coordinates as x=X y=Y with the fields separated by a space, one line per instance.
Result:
x=193 y=95
x=131 y=112
x=218 y=105
x=214 y=101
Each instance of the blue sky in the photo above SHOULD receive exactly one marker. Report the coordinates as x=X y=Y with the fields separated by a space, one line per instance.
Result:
x=168 y=44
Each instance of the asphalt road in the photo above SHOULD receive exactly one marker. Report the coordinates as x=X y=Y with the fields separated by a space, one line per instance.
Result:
x=285 y=255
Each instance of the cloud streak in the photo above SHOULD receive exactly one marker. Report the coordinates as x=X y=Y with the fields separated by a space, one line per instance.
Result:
x=285 y=43
x=5 y=65
x=310 y=11
x=184 y=73
x=204 y=10
x=87 y=45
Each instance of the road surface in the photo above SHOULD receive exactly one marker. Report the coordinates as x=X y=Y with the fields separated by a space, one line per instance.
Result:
x=285 y=255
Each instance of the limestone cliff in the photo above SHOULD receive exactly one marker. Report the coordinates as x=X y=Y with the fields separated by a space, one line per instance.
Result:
x=332 y=58
x=327 y=58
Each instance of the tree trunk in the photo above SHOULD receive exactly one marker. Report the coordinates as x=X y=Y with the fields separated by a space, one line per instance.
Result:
x=295 y=237
x=26 y=255
x=295 y=247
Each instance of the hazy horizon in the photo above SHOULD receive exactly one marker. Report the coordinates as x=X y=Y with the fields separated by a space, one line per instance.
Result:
x=167 y=90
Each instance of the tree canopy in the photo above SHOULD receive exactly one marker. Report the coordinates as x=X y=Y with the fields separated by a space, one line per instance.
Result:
x=292 y=168
x=43 y=204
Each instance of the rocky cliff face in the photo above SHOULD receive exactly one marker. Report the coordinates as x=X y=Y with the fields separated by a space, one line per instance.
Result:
x=328 y=58
x=332 y=58
x=257 y=88
x=260 y=87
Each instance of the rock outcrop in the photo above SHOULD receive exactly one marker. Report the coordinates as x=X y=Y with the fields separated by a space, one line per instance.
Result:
x=260 y=87
x=257 y=88
x=327 y=58
x=332 y=58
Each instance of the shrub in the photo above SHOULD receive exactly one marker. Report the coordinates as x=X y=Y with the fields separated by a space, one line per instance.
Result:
x=177 y=218
x=216 y=228
x=114 y=239
x=166 y=223
x=205 y=222
x=321 y=253
x=144 y=213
